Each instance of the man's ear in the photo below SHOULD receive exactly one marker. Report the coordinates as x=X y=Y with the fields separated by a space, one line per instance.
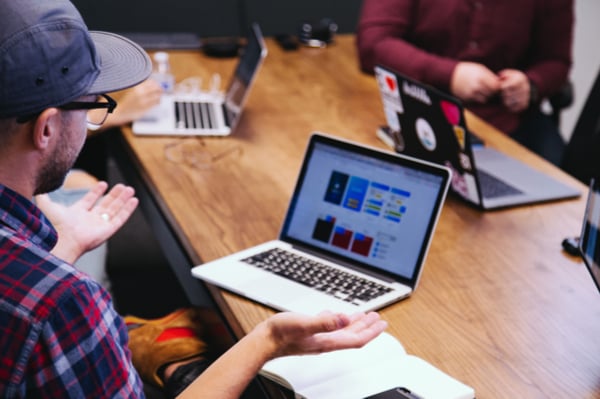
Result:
x=46 y=126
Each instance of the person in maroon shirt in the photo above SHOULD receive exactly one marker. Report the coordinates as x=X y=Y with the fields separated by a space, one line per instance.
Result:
x=499 y=57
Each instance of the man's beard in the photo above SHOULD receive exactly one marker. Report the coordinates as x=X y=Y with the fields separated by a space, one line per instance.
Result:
x=52 y=176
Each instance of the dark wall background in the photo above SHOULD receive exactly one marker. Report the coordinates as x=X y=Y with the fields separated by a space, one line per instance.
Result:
x=213 y=18
x=285 y=16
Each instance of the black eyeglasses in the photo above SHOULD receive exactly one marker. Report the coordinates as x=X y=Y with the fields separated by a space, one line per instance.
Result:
x=97 y=110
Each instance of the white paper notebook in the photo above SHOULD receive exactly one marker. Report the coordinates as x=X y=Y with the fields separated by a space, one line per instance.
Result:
x=380 y=365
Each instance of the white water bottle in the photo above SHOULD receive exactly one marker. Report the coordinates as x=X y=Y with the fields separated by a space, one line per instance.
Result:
x=162 y=72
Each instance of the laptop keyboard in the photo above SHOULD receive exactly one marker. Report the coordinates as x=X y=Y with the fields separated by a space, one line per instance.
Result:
x=343 y=285
x=195 y=115
x=492 y=187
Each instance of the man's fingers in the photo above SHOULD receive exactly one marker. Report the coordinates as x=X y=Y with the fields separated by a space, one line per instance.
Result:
x=91 y=197
x=362 y=321
x=112 y=202
x=124 y=212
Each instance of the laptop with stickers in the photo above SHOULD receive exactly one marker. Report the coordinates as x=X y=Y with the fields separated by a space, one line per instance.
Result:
x=429 y=124
x=355 y=236
x=207 y=113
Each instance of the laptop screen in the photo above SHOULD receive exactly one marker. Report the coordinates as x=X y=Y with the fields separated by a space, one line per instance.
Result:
x=589 y=241
x=364 y=206
x=245 y=72
x=430 y=125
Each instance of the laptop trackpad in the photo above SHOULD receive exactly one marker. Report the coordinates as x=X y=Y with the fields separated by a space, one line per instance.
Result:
x=259 y=285
x=533 y=183
x=278 y=292
x=511 y=171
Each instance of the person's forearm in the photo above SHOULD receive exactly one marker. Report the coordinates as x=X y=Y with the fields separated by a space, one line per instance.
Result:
x=230 y=374
x=551 y=47
x=381 y=39
x=549 y=77
x=68 y=253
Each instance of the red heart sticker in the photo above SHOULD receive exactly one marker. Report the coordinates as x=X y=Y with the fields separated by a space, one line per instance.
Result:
x=391 y=83
x=451 y=112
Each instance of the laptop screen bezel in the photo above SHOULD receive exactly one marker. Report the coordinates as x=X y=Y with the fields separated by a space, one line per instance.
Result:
x=233 y=112
x=398 y=159
x=592 y=208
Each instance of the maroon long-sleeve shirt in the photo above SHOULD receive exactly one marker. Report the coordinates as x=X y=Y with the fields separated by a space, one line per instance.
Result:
x=425 y=39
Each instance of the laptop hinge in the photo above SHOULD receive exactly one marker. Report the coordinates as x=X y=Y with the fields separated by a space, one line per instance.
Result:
x=226 y=115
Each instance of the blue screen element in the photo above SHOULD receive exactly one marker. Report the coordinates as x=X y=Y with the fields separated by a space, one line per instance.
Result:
x=357 y=189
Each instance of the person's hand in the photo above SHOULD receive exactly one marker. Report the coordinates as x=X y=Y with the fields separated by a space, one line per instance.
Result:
x=90 y=221
x=282 y=334
x=134 y=103
x=515 y=89
x=473 y=82
x=297 y=334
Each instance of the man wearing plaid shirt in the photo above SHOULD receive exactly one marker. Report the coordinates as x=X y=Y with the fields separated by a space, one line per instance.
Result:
x=59 y=334
x=52 y=70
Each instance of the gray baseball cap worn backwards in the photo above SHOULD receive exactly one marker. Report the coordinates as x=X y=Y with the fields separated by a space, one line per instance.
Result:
x=49 y=58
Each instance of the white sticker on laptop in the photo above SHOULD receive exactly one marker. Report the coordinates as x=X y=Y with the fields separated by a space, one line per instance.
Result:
x=465 y=161
x=425 y=134
x=388 y=85
x=391 y=117
x=464 y=184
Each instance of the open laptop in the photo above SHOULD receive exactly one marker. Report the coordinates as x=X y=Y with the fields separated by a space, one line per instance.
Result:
x=355 y=235
x=589 y=240
x=429 y=124
x=207 y=113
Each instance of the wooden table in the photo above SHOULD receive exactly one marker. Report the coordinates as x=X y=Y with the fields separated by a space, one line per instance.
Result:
x=500 y=306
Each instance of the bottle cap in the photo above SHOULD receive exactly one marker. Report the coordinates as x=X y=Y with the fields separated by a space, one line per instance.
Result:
x=161 y=56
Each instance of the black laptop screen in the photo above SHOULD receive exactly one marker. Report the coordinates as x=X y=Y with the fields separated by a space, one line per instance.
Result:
x=366 y=206
x=589 y=241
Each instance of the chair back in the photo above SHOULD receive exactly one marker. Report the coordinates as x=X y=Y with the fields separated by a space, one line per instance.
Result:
x=582 y=155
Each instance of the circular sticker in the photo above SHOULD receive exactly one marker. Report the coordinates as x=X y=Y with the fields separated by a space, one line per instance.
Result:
x=425 y=134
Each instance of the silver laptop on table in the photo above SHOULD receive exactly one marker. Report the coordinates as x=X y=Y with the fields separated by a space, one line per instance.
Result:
x=354 y=238
x=207 y=113
x=428 y=124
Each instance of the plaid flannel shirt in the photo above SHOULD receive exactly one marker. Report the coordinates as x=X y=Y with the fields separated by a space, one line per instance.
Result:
x=59 y=334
